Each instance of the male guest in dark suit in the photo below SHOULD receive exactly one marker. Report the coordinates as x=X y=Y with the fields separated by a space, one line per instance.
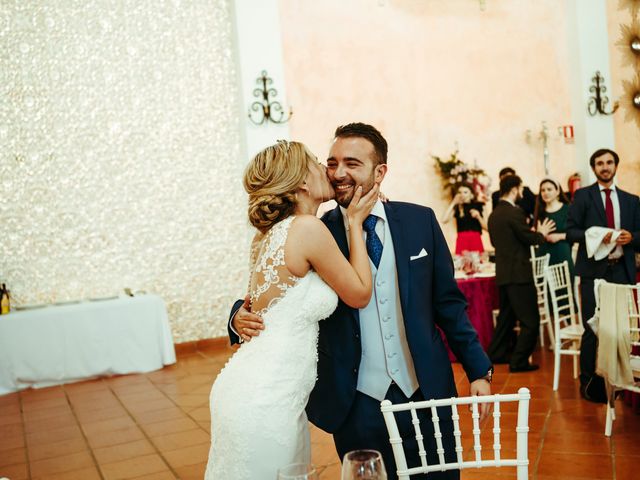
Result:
x=512 y=238
x=603 y=205
x=527 y=200
x=390 y=349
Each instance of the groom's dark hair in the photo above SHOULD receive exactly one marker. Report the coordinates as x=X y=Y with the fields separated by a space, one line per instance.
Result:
x=367 y=132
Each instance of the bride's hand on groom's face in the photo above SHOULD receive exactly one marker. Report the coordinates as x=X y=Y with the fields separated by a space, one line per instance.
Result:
x=247 y=324
x=361 y=205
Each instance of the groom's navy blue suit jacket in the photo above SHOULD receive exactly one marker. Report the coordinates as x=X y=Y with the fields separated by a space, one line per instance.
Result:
x=429 y=296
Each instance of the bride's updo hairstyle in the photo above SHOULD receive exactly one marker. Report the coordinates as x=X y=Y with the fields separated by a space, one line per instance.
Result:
x=272 y=179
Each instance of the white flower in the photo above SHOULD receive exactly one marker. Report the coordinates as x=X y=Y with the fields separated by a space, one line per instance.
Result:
x=452 y=180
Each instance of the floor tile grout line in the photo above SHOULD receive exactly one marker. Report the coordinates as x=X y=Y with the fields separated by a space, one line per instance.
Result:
x=147 y=437
x=178 y=406
x=24 y=435
x=543 y=434
x=84 y=437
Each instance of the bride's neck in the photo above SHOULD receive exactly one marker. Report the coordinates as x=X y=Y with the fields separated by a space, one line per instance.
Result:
x=307 y=206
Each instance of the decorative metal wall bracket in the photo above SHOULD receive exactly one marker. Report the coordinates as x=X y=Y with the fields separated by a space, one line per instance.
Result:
x=598 y=103
x=267 y=109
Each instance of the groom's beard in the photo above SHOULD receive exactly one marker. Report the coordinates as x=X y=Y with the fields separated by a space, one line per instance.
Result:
x=344 y=197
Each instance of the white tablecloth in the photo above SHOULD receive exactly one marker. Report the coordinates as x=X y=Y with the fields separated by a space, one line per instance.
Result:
x=67 y=343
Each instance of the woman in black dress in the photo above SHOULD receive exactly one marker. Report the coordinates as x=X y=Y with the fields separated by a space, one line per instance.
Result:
x=470 y=221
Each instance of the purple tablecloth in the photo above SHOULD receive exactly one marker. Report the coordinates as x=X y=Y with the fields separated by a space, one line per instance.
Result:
x=482 y=297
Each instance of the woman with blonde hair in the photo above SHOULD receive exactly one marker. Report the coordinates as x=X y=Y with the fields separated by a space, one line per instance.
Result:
x=297 y=272
x=470 y=220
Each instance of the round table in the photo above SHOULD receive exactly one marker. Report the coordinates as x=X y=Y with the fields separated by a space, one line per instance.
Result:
x=482 y=298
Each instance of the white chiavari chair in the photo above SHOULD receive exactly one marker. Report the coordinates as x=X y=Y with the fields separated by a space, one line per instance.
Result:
x=611 y=330
x=568 y=327
x=538 y=264
x=520 y=462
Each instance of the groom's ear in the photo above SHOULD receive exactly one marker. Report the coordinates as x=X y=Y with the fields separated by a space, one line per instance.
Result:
x=379 y=172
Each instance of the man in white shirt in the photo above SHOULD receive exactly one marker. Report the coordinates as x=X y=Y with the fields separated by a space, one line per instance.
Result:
x=602 y=204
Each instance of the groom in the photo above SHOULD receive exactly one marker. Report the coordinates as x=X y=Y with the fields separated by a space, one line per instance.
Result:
x=390 y=349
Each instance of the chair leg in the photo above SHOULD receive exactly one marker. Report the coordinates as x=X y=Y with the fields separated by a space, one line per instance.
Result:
x=541 y=335
x=575 y=367
x=552 y=337
x=610 y=418
x=556 y=368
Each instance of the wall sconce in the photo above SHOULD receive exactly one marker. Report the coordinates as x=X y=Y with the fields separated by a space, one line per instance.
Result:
x=632 y=5
x=629 y=43
x=598 y=103
x=267 y=110
x=631 y=99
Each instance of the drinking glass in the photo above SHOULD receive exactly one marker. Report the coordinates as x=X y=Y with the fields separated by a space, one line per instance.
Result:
x=298 y=471
x=363 y=465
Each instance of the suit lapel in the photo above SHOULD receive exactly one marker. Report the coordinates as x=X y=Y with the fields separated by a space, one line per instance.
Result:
x=335 y=224
x=596 y=198
x=402 y=257
x=625 y=220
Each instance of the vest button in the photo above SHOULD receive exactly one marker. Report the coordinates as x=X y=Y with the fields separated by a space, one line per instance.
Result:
x=388 y=336
x=383 y=301
x=386 y=319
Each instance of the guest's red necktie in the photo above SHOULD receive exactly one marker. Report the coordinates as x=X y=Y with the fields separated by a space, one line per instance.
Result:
x=608 y=208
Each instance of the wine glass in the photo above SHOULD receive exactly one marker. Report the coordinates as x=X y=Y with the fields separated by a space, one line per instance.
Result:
x=363 y=465
x=298 y=471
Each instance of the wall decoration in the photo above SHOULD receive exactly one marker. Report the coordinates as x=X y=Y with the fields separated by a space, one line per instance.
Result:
x=120 y=159
x=453 y=171
x=267 y=109
x=631 y=99
x=632 y=5
x=629 y=44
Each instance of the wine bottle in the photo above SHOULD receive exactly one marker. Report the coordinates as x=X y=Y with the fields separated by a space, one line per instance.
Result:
x=5 y=300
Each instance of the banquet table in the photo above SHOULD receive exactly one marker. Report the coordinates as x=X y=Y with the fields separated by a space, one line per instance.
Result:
x=66 y=343
x=482 y=297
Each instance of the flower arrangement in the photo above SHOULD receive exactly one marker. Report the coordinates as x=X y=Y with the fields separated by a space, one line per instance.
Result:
x=454 y=171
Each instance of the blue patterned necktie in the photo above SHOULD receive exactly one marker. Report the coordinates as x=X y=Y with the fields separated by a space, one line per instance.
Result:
x=374 y=245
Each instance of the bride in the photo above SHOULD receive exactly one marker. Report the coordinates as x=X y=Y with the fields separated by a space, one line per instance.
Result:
x=297 y=272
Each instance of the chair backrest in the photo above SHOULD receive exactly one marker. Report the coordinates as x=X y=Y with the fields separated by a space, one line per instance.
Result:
x=632 y=299
x=561 y=290
x=634 y=319
x=538 y=264
x=521 y=460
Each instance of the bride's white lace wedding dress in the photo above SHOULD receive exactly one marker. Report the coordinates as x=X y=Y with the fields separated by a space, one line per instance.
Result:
x=258 y=422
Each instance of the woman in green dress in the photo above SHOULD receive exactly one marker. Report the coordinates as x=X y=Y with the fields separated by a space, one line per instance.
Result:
x=552 y=203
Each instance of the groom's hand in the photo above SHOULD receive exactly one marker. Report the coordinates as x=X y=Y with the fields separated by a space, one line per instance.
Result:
x=481 y=387
x=247 y=324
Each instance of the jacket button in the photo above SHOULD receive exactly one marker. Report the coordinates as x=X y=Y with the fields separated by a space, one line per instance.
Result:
x=357 y=335
x=355 y=370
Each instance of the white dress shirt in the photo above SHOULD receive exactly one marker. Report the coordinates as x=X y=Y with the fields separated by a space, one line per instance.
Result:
x=617 y=252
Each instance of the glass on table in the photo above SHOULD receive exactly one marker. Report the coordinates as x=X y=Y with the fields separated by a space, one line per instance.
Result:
x=363 y=465
x=298 y=471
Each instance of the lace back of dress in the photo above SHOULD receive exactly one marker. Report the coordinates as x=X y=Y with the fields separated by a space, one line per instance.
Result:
x=269 y=276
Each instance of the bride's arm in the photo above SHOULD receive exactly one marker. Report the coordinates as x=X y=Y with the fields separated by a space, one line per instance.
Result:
x=351 y=279
x=243 y=325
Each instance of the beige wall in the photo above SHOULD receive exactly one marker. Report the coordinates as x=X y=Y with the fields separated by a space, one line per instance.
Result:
x=627 y=131
x=430 y=75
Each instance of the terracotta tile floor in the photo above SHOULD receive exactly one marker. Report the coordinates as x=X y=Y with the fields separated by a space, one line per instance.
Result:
x=156 y=426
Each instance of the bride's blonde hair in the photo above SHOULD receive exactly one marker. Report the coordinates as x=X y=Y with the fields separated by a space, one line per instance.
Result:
x=272 y=178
